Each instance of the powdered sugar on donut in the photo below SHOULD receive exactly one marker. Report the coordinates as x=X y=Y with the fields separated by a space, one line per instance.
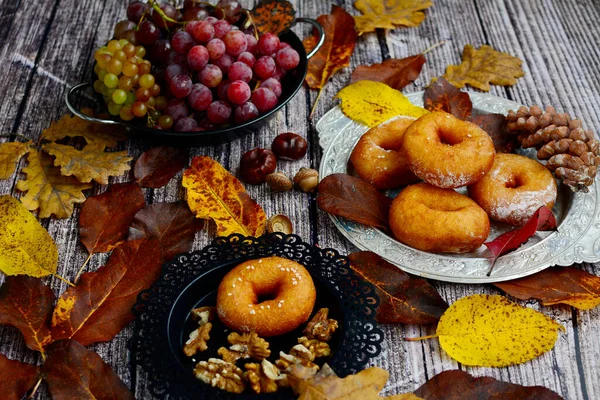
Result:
x=523 y=204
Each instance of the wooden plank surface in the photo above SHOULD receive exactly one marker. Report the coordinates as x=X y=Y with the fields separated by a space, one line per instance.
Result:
x=46 y=46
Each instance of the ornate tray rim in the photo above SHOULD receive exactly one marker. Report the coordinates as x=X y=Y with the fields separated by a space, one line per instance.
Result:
x=576 y=240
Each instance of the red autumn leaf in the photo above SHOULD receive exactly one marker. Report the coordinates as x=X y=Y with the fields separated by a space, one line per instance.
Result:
x=273 y=16
x=74 y=372
x=105 y=219
x=404 y=299
x=460 y=385
x=26 y=303
x=542 y=219
x=16 y=378
x=173 y=224
x=394 y=72
x=355 y=199
x=156 y=167
x=99 y=306
x=566 y=285
x=497 y=127
x=442 y=96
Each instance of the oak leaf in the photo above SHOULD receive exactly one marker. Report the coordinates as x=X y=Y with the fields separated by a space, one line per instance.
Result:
x=491 y=331
x=394 y=72
x=96 y=134
x=355 y=199
x=100 y=305
x=17 y=378
x=372 y=103
x=460 y=385
x=443 y=96
x=213 y=193
x=26 y=303
x=557 y=285
x=173 y=224
x=27 y=248
x=389 y=14
x=483 y=66
x=10 y=154
x=275 y=16
x=404 y=299
x=156 y=167
x=92 y=162
x=497 y=127
x=47 y=189
x=74 y=372
x=104 y=219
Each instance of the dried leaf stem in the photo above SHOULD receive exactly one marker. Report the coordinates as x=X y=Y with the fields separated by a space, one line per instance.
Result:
x=87 y=260
x=415 y=339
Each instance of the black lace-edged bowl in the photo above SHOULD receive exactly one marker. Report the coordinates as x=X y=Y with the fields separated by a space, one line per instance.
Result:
x=163 y=321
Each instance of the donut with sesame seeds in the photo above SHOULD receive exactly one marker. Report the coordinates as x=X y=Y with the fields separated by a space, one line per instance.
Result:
x=270 y=296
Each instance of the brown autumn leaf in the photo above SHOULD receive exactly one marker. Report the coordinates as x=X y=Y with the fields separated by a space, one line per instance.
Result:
x=173 y=224
x=74 y=372
x=275 y=16
x=497 y=127
x=156 y=167
x=10 y=154
x=460 y=385
x=100 y=305
x=404 y=299
x=17 y=378
x=389 y=14
x=104 y=219
x=355 y=199
x=443 y=96
x=483 y=66
x=557 y=285
x=394 y=72
x=97 y=134
x=26 y=303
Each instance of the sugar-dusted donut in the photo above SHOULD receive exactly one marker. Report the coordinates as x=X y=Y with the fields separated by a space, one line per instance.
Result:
x=438 y=220
x=514 y=189
x=446 y=151
x=378 y=157
x=270 y=296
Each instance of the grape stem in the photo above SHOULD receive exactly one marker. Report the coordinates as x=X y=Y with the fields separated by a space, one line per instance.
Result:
x=251 y=20
x=162 y=14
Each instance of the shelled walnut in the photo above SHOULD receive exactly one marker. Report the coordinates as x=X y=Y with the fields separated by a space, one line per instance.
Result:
x=320 y=326
x=287 y=360
x=203 y=314
x=263 y=377
x=246 y=345
x=221 y=374
x=315 y=346
x=197 y=340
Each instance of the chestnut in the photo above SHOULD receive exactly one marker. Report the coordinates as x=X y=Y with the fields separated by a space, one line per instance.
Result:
x=290 y=146
x=256 y=165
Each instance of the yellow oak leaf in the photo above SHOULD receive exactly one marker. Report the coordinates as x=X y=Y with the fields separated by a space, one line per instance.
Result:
x=372 y=103
x=492 y=331
x=389 y=14
x=47 y=189
x=92 y=162
x=97 y=134
x=27 y=248
x=483 y=66
x=10 y=154
x=213 y=193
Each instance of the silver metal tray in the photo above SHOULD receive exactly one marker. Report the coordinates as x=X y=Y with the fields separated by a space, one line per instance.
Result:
x=578 y=215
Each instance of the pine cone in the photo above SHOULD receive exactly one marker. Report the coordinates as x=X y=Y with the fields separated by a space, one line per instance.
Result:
x=573 y=153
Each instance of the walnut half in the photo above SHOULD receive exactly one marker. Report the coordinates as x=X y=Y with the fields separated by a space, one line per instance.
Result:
x=320 y=326
x=246 y=345
x=263 y=377
x=197 y=340
x=221 y=374
x=316 y=347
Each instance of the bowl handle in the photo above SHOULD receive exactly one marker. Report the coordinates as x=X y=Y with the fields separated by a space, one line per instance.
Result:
x=75 y=111
x=321 y=32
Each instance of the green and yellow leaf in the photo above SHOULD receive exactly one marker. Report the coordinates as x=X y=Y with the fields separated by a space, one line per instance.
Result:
x=10 y=154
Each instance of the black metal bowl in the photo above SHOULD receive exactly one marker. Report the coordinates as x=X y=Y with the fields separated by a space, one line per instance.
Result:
x=291 y=83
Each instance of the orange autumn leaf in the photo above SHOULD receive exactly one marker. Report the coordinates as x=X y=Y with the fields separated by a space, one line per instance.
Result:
x=17 y=378
x=213 y=193
x=389 y=14
x=273 y=16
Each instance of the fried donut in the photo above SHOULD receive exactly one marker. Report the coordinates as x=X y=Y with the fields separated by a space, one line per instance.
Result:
x=514 y=189
x=438 y=220
x=378 y=157
x=270 y=296
x=446 y=151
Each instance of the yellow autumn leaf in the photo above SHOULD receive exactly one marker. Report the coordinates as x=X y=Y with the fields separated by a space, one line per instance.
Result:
x=97 y=134
x=92 y=162
x=483 y=66
x=492 y=331
x=213 y=193
x=10 y=154
x=389 y=14
x=47 y=189
x=372 y=103
x=27 y=248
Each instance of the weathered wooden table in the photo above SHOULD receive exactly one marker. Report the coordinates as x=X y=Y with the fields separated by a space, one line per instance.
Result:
x=47 y=46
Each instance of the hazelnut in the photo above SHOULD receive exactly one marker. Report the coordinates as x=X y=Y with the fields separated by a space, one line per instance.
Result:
x=256 y=164
x=278 y=182
x=290 y=146
x=279 y=223
x=306 y=179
